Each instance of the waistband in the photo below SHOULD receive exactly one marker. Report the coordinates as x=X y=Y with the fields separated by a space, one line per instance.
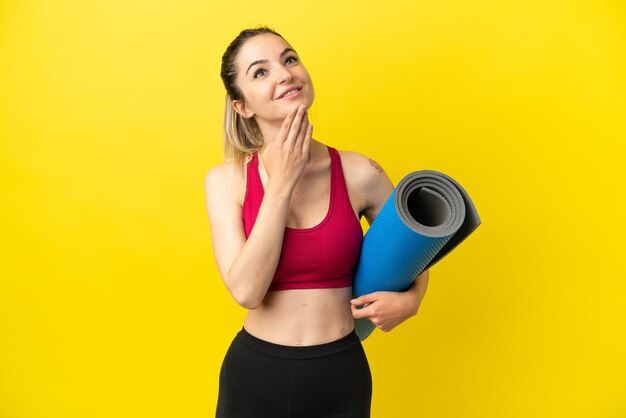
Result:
x=297 y=352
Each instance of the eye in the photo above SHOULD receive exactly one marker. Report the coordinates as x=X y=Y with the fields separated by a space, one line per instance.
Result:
x=259 y=71
x=287 y=61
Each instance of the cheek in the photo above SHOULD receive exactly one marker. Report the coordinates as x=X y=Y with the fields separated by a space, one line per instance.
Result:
x=259 y=94
x=309 y=82
x=311 y=92
x=307 y=77
x=267 y=90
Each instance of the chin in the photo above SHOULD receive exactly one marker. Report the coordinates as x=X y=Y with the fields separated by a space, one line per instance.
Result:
x=308 y=102
x=297 y=103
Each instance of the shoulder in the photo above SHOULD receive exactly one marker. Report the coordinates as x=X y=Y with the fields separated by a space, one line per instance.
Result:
x=225 y=179
x=218 y=175
x=361 y=168
x=368 y=184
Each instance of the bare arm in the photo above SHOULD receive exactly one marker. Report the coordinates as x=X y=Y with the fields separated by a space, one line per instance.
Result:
x=248 y=265
x=385 y=309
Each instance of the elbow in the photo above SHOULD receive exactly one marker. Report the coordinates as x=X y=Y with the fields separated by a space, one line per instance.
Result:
x=247 y=298
x=249 y=304
x=247 y=295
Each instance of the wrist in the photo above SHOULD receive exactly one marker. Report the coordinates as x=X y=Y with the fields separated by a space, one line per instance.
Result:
x=280 y=191
x=412 y=299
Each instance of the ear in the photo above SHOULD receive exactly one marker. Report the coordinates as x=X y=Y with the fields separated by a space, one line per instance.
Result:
x=241 y=108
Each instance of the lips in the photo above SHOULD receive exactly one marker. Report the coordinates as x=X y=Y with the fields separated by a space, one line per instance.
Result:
x=290 y=90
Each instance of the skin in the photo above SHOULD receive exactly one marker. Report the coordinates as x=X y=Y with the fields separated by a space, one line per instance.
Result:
x=293 y=168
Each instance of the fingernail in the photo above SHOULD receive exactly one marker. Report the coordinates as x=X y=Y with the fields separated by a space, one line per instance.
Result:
x=353 y=301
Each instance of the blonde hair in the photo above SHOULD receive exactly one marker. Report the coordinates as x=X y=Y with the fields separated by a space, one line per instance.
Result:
x=242 y=136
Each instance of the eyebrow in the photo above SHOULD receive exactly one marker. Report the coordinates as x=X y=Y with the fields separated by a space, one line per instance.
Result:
x=282 y=54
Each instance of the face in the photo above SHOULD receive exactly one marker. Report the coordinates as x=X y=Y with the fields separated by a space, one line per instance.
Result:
x=271 y=78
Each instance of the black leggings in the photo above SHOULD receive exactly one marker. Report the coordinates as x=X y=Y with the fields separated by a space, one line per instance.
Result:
x=262 y=379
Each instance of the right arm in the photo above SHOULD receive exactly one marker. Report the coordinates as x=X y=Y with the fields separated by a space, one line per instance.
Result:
x=247 y=266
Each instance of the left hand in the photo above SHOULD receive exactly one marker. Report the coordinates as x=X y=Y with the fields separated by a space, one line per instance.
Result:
x=386 y=310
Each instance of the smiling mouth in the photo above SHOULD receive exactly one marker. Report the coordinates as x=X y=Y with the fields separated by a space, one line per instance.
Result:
x=290 y=93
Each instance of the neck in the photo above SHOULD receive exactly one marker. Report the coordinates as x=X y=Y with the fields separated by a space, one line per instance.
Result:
x=269 y=130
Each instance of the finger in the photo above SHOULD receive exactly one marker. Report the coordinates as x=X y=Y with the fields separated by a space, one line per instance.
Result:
x=306 y=142
x=368 y=313
x=294 y=129
x=284 y=129
x=370 y=297
x=304 y=127
x=360 y=313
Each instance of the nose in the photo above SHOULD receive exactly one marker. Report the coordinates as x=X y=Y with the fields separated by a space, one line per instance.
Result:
x=284 y=75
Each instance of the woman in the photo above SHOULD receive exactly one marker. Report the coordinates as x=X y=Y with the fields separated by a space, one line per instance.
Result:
x=291 y=261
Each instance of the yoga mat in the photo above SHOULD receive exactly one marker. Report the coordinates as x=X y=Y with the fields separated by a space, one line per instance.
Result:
x=427 y=215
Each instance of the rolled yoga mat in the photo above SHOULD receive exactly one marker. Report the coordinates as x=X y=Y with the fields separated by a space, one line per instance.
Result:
x=426 y=216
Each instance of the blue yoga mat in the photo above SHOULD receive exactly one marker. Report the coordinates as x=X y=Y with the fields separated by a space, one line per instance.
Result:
x=427 y=215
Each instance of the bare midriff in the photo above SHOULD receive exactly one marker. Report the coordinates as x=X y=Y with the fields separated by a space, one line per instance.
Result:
x=302 y=317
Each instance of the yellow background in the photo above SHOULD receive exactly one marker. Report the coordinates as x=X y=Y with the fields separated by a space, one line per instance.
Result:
x=110 y=115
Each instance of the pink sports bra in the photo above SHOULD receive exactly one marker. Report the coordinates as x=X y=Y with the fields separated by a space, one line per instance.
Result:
x=323 y=256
